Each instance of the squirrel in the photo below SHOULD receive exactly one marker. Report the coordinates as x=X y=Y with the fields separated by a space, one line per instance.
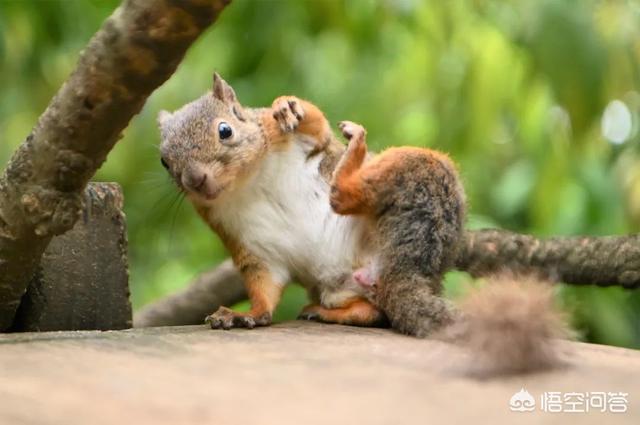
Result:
x=416 y=199
x=260 y=178
x=369 y=236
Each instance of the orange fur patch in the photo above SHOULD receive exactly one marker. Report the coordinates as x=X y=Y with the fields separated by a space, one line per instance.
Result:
x=355 y=312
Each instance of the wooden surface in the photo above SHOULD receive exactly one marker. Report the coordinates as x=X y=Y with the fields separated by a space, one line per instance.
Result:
x=294 y=373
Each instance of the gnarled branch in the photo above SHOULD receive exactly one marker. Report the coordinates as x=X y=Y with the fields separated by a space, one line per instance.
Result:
x=138 y=47
x=574 y=260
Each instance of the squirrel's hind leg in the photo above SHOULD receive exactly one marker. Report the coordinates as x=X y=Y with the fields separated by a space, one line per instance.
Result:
x=357 y=312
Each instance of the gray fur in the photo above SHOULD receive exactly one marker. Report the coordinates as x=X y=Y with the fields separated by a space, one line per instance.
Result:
x=420 y=219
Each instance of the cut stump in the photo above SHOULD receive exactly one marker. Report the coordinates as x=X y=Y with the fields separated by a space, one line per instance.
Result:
x=82 y=282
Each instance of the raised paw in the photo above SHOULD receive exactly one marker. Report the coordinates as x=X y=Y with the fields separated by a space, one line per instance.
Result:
x=288 y=112
x=350 y=130
x=357 y=147
x=225 y=318
x=346 y=195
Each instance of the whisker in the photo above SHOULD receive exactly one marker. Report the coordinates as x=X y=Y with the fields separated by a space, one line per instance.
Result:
x=169 y=197
x=180 y=199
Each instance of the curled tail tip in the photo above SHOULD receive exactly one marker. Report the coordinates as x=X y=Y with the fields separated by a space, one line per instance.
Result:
x=510 y=325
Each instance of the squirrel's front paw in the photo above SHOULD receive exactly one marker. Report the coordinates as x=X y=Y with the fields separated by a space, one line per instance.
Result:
x=288 y=111
x=225 y=318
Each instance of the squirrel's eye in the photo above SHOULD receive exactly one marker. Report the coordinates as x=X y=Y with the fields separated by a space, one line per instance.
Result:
x=164 y=163
x=224 y=131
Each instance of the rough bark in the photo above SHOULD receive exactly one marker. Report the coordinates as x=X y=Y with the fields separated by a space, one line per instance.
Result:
x=217 y=287
x=579 y=260
x=82 y=281
x=41 y=191
x=603 y=261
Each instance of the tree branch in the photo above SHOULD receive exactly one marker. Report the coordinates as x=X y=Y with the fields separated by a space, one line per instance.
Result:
x=579 y=260
x=138 y=47
x=603 y=261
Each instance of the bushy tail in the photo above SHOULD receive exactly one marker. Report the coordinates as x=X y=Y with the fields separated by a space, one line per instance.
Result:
x=414 y=306
x=509 y=325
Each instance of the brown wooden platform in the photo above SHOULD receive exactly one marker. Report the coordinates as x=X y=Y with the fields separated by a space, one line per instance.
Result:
x=294 y=373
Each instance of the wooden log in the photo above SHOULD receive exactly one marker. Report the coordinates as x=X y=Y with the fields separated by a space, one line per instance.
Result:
x=292 y=373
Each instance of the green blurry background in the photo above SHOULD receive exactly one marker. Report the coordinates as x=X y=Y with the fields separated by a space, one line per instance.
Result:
x=537 y=100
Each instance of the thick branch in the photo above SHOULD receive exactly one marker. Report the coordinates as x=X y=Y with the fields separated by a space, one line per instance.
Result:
x=138 y=47
x=603 y=261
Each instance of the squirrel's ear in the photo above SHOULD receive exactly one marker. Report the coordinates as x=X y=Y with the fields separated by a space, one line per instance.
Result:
x=222 y=90
x=163 y=116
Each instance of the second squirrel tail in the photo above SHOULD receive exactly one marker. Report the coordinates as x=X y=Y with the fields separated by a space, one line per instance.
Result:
x=509 y=325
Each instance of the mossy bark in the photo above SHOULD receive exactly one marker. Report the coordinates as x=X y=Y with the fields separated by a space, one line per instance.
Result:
x=41 y=191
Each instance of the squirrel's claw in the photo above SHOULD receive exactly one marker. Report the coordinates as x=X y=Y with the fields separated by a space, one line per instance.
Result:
x=288 y=112
x=225 y=318
x=311 y=312
x=309 y=315
x=350 y=130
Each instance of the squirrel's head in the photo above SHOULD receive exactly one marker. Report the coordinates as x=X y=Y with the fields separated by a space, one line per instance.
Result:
x=210 y=144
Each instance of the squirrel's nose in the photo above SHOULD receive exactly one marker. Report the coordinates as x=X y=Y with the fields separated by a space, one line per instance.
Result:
x=199 y=184
x=194 y=179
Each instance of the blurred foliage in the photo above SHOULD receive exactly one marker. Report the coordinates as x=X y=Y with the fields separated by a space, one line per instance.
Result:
x=516 y=91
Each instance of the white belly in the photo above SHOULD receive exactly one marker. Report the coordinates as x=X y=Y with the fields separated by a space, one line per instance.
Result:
x=283 y=217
